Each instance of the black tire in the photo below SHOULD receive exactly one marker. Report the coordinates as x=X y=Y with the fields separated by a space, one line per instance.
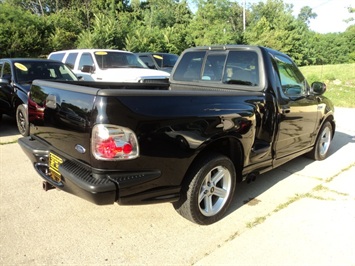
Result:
x=321 y=147
x=208 y=191
x=22 y=120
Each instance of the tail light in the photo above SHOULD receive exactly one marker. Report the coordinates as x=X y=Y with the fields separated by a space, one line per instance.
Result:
x=111 y=142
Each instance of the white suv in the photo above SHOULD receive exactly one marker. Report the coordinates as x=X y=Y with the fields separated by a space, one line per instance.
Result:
x=109 y=66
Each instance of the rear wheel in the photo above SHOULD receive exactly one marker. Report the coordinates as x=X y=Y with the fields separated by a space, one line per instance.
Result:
x=22 y=120
x=209 y=190
x=324 y=138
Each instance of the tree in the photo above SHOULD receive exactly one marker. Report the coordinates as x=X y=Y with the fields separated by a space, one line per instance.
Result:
x=273 y=25
x=158 y=26
x=215 y=22
x=349 y=43
x=306 y=14
x=269 y=24
x=44 y=7
x=37 y=27
x=65 y=27
x=103 y=34
x=22 y=34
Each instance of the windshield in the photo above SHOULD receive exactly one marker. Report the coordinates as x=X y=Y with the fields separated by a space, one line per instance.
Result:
x=27 y=71
x=165 y=60
x=112 y=59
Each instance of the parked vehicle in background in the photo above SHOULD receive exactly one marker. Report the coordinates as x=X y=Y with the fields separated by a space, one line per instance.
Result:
x=109 y=66
x=16 y=76
x=229 y=114
x=161 y=61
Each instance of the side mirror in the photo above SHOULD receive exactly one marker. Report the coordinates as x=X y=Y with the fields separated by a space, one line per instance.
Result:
x=87 y=69
x=151 y=66
x=318 y=88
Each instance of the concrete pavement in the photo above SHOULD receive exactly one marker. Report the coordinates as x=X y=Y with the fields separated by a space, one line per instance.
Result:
x=8 y=130
x=318 y=228
x=301 y=213
x=313 y=228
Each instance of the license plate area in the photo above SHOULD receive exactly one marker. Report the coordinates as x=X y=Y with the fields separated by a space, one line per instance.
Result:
x=54 y=162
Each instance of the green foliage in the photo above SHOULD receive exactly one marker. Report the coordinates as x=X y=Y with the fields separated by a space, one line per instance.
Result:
x=21 y=33
x=144 y=40
x=340 y=81
x=306 y=14
x=65 y=26
x=215 y=23
x=35 y=28
x=103 y=34
x=272 y=25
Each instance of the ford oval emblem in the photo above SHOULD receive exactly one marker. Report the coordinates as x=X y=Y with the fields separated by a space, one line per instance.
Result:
x=80 y=148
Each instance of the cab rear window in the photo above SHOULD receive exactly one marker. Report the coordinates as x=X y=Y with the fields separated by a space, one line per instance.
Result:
x=57 y=56
x=227 y=67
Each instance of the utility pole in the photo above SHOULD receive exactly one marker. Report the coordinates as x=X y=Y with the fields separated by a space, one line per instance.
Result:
x=244 y=15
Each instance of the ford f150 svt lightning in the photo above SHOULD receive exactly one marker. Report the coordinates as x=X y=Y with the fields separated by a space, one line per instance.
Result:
x=229 y=113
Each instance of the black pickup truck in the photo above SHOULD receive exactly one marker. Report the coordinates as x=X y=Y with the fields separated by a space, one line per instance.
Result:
x=229 y=114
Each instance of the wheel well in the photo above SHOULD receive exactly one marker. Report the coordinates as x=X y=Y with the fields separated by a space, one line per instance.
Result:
x=229 y=147
x=17 y=102
x=330 y=119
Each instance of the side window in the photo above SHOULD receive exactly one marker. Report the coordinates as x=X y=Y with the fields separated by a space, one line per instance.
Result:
x=65 y=74
x=242 y=68
x=292 y=81
x=190 y=66
x=6 y=71
x=158 y=59
x=131 y=59
x=147 y=60
x=86 y=59
x=70 y=61
x=21 y=71
x=57 y=56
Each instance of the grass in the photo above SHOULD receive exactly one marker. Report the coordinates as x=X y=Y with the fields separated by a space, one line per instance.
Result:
x=261 y=219
x=340 y=81
x=8 y=142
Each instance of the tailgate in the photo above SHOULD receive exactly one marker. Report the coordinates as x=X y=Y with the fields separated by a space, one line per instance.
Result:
x=60 y=114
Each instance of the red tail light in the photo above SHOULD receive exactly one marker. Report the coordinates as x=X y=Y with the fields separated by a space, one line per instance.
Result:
x=110 y=142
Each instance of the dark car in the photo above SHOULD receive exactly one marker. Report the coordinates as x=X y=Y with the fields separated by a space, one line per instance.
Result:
x=160 y=61
x=16 y=76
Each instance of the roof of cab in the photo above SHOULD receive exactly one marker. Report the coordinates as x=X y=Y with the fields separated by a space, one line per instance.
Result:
x=91 y=50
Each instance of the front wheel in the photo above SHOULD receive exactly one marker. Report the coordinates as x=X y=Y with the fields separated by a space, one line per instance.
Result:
x=324 y=138
x=209 y=190
x=22 y=120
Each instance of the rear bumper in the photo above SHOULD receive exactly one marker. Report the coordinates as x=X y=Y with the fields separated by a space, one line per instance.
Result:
x=75 y=179
x=101 y=189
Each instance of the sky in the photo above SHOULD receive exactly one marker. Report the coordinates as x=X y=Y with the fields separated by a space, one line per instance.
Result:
x=330 y=13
